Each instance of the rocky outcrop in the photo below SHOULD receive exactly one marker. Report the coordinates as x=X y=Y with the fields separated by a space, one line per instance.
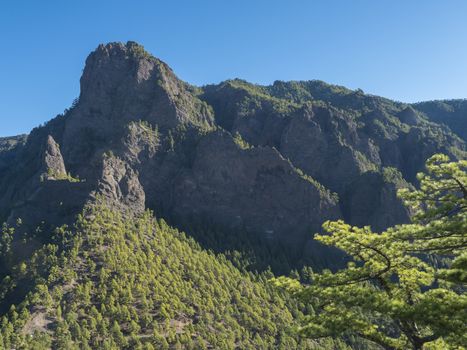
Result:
x=326 y=145
x=45 y=194
x=409 y=116
x=252 y=190
x=119 y=186
x=53 y=165
x=123 y=84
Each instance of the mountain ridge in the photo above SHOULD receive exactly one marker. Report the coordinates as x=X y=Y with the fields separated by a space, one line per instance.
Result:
x=234 y=155
x=249 y=172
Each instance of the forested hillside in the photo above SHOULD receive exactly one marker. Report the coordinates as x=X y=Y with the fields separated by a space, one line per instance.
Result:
x=449 y=112
x=113 y=283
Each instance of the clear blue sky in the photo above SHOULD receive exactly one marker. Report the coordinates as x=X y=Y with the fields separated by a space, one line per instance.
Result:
x=405 y=50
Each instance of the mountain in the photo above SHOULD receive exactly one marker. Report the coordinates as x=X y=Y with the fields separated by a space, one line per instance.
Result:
x=267 y=162
x=250 y=172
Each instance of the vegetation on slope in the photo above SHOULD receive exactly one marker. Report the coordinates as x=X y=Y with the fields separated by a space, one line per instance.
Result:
x=388 y=123
x=452 y=113
x=8 y=143
x=9 y=146
x=405 y=287
x=116 y=283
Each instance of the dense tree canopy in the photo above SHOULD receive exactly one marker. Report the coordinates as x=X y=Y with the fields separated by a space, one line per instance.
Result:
x=404 y=288
x=116 y=282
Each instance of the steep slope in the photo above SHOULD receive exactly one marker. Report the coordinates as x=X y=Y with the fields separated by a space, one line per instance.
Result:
x=139 y=284
x=140 y=137
x=120 y=84
x=270 y=162
x=9 y=143
x=452 y=113
x=9 y=147
x=336 y=136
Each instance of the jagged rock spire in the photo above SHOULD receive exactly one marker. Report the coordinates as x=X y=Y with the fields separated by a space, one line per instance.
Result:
x=53 y=164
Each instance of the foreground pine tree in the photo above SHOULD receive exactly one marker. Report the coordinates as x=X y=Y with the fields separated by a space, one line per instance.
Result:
x=404 y=288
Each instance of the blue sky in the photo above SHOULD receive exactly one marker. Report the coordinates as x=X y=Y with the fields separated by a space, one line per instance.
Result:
x=405 y=50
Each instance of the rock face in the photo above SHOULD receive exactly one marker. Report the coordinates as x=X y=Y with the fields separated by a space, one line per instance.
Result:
x=326 y=145
x=270 y=161
x=53 y=165
x=252 y=190
x=409 y=116
x=370 y=200
x=119 y=185
x=122 y=84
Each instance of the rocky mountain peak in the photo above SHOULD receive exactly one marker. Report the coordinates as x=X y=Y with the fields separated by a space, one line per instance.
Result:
x=122 y=84
x=115 y=64
x=123 y=81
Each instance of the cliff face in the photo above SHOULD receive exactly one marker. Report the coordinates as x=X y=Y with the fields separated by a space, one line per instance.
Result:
x=274 y=162
x=339 y=137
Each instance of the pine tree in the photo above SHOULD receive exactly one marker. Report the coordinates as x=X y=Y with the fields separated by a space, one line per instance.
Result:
x=392 y=293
